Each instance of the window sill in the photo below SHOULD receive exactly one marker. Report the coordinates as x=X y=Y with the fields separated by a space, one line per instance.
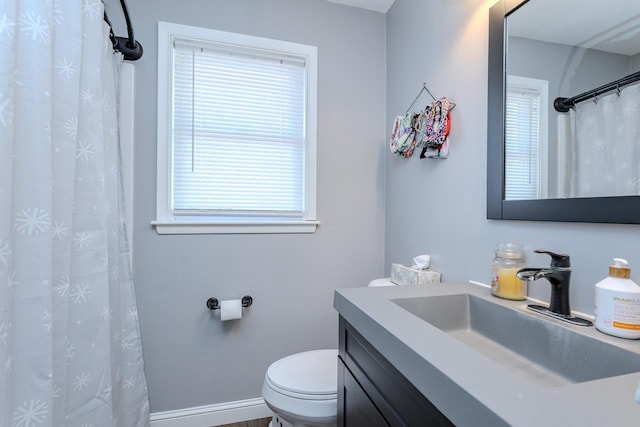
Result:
x=235 y=227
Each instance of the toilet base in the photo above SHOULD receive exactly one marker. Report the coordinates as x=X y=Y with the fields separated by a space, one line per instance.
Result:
x=278 y=421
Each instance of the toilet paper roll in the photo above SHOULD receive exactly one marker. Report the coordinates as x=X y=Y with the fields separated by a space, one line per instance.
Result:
x=231 y=309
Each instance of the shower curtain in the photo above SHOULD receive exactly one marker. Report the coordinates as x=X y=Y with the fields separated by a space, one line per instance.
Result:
x=70 y=348
x=603 y=156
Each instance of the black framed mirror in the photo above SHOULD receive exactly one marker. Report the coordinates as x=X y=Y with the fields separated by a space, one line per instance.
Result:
x=553 y=207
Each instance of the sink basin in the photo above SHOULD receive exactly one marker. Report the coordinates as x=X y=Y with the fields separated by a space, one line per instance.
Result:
x=542 y=351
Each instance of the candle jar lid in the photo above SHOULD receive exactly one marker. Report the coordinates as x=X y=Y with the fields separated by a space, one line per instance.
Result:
x=513 y=251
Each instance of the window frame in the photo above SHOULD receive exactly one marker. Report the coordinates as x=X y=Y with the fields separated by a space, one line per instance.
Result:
x=542 y=87
x=168 y=223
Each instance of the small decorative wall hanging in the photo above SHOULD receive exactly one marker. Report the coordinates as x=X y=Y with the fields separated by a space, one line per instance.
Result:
x=428 y=129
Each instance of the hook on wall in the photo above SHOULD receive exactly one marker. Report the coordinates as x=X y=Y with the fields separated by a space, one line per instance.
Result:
x=425 y=89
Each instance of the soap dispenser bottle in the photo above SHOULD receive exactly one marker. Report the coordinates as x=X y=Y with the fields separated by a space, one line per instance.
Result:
x=617 y=307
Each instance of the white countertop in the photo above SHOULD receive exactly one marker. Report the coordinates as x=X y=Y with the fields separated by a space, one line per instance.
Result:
x=470 y=388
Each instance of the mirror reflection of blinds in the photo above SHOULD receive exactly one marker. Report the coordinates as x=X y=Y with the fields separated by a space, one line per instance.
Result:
x=238 y=131
x=522 y=144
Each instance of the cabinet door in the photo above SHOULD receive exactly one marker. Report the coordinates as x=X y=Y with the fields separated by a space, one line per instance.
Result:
x=358 y=410
x=393 y=397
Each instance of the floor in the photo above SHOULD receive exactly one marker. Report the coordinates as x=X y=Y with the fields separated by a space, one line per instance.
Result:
x=262 y=422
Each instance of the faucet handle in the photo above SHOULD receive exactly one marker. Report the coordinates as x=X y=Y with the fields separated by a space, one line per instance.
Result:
x=557 y=260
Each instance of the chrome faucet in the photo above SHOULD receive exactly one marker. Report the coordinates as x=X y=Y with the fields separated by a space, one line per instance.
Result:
x=559 y=275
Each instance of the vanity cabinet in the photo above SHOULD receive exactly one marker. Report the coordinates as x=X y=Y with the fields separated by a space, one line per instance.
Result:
x=372 y=392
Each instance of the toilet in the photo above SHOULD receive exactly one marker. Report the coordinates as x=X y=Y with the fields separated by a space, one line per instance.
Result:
x=302 y=389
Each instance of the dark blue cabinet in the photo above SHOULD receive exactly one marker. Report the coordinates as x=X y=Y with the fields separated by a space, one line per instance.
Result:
x=372 y=392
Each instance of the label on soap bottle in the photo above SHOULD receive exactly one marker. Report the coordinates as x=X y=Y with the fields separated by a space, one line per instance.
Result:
x=618 y=313
x=626 y=314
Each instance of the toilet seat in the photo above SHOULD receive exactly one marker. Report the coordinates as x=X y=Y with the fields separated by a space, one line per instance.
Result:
x=308 y=375
x=376 y=283
x=299 y=395
x=302 y=388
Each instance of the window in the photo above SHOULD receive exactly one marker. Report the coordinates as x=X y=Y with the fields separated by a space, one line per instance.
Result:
x=236 y=133
x=526 y=139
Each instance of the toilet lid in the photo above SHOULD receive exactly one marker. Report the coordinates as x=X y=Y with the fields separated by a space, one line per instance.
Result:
x=311 y=372
x=376 y=283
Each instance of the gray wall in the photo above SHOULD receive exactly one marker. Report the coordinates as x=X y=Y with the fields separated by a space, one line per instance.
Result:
x=635 y=63
x=570 y=71
x=432 y=206
x=439 y=206
x=191 y=358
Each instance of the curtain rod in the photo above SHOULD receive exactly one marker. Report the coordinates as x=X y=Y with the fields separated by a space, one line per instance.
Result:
x=563 y=105
x=128 y=46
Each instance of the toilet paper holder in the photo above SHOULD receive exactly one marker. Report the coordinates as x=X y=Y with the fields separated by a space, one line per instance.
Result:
x=214 y=304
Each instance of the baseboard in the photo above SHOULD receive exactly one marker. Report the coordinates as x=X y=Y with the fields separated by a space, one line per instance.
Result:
x=212 y=415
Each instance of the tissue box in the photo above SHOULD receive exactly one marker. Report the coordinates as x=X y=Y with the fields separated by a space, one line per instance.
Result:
x=405 y=275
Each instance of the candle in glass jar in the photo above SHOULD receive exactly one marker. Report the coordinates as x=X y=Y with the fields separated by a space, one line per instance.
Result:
x=509 y=286
x=504 y=282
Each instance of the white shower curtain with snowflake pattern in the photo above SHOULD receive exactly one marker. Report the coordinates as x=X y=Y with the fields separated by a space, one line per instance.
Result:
x=70 y=349
x=604 y=145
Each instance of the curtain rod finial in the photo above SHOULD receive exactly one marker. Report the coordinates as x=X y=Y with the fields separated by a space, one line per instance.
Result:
x=131 y=53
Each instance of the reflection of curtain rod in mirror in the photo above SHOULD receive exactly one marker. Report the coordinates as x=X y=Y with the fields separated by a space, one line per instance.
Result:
x=563 y=105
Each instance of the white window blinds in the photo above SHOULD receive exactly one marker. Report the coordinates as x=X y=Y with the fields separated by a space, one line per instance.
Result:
x=522 y=143
x=238 y=131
